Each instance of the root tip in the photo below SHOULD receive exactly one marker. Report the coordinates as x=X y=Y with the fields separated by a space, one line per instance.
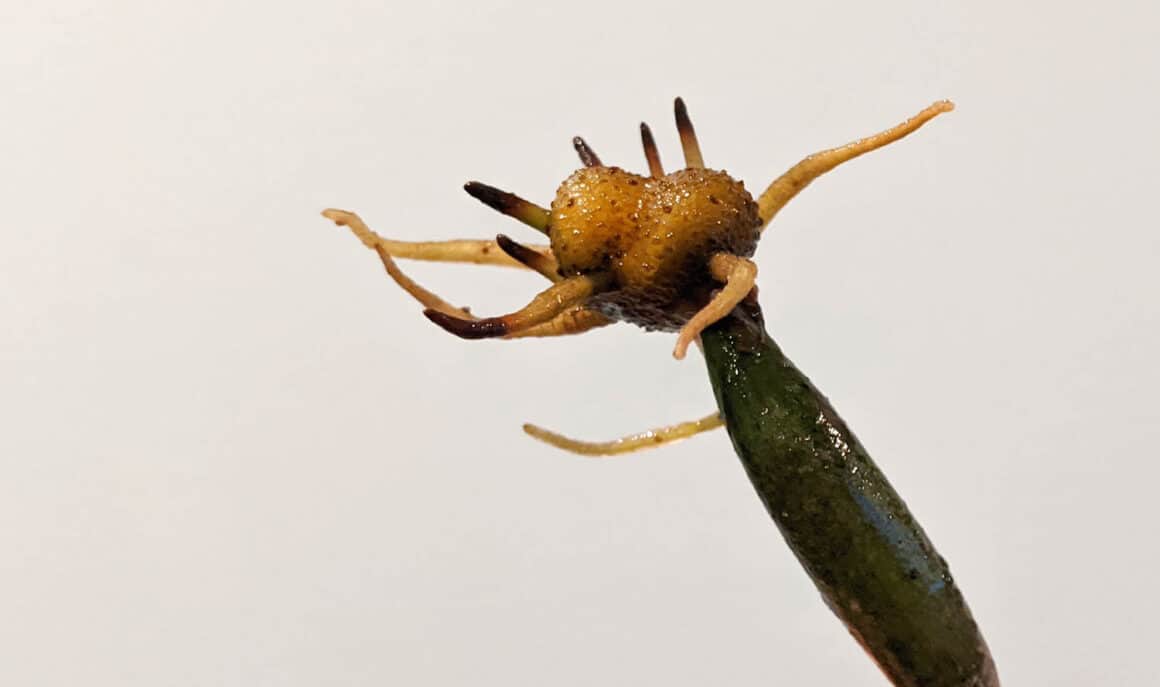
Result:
x=339 y=217
x=467 y=329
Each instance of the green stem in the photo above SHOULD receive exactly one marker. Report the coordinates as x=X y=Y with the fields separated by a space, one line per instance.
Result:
x=852 y=533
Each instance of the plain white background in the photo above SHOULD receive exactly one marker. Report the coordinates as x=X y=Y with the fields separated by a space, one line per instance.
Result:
x=232 y=453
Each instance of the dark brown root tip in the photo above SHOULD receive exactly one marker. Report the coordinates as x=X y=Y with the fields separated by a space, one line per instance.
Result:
x=517 y=251
x=492 y=197
x=489 y=328
x=650 y=151
x=688 y=137
x=587 y=156
x=509 y=204
x=537 y=261
x=682 y=113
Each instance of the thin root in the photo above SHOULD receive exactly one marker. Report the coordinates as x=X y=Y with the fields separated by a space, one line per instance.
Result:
x=464 y=251
x=548 y=304
x=800 y=175
x=575 y=320
x=635 y=442
x=426 y=298
x=739 y=275
x=689 y=144
x=588 y=156
x=544 y=263
x=651 y=153
x=509 y=204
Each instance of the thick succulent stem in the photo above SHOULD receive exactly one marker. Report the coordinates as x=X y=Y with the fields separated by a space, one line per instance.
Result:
x=850 y=530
